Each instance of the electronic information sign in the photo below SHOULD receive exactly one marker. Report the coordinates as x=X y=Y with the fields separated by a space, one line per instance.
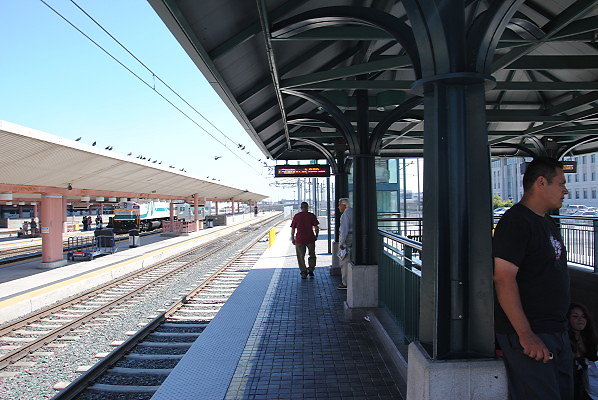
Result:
x=569 y=167
x=301 y=171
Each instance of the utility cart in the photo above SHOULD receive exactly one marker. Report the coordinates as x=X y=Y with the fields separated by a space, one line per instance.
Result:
x=85 y=247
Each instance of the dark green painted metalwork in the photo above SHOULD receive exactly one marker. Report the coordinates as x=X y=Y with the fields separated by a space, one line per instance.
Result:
x=344 y=72
x=573 y=103
x=294 y=63
x=343 y=123
x=399 y=286
x=393 y=116
x=554 y=62
x=265 y=23
x=552 y=27
x=353 y=15
x=348 y=136
x=486 y=31
x=337 y=33
x=336 y=60
x=252 y=30
x=364 y=190
x=406 y=85
x=325 y=153
x=316 y=134
x=341 y=182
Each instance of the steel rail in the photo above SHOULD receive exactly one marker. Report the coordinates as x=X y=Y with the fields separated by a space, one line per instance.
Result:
x=85 y=296
x=23 y=351
x=83 y=381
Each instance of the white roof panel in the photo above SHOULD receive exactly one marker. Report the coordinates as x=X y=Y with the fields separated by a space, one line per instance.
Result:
x=35 y=158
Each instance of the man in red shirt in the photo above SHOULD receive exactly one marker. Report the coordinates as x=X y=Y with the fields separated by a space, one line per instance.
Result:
x=306 y=226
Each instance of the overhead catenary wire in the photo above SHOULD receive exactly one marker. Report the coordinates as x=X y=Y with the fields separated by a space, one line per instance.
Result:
x=154 y=75
x=147 y=84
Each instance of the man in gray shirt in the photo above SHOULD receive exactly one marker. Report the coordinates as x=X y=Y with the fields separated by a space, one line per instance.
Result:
x=345 y=240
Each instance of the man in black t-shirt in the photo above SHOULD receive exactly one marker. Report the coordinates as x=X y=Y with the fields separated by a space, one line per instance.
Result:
x=532 y=288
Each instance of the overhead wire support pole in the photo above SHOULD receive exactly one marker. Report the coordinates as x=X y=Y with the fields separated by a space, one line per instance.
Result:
x=263 y=13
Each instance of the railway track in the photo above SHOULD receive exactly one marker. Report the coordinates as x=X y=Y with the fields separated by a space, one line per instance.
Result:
x=58 y=325
x=136 y=369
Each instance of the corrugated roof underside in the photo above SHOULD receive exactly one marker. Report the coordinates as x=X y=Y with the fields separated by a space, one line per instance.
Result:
x=30 y=161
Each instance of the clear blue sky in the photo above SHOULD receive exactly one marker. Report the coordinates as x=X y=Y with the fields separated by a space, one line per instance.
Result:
x=55 y=80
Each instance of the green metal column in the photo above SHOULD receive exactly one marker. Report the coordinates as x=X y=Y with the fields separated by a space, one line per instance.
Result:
x=364 y=191
x=456 y=318
x=341 y=189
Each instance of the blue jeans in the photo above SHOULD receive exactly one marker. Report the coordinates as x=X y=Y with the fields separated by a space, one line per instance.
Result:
x=534 y=380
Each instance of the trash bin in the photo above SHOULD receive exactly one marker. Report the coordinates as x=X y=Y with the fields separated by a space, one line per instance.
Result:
x=104 y=237
x=133 y=238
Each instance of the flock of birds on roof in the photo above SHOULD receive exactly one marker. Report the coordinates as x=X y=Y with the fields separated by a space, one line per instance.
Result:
x=240 y=146
x=143 y=158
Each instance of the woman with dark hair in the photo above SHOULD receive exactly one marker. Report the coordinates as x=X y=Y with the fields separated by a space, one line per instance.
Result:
x=583 y=343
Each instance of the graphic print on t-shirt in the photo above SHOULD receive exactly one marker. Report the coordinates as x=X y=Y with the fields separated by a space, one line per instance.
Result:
x=558 y=247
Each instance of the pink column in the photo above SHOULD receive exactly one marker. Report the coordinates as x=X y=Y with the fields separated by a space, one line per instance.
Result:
x=64 y=216
x=51 y=228
x=232 y=206
x=198 y=223
x=171 y=212
x=20 y=211
x=216 y=206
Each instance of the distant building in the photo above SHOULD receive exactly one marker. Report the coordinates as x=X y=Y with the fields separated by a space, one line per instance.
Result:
x=507 y=179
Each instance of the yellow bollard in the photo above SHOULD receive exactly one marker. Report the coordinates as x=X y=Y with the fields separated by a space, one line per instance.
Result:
x=272 y=237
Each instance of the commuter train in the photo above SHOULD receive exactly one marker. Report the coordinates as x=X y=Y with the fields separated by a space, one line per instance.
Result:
x=149 y=215
x=186 y=212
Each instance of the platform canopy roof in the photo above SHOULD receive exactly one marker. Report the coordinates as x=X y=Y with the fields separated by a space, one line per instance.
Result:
x=34 y=163
x=286 y=68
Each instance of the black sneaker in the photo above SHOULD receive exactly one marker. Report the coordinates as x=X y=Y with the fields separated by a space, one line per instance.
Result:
x=311 y=272
x=342 y=287
x=303 y=275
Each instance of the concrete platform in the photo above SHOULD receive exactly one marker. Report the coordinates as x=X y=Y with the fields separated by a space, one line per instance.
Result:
x=282 y=337
x=25 y=287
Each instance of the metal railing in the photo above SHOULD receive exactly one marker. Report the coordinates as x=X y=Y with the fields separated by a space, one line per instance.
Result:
x=580 y=235
x=399 y=269
x=410 y=227
x=400 y=262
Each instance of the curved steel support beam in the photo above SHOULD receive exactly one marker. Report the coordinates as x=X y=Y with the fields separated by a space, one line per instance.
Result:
x=518 y=147
x=486 y=31
x=346 y=129
x=428 y=29
x=328 y=155
x=567 y=149
x=525 y=29
x=327 y=16
x=392 y=117
x=538 y=145
x=348 y=164
x=349 y=139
